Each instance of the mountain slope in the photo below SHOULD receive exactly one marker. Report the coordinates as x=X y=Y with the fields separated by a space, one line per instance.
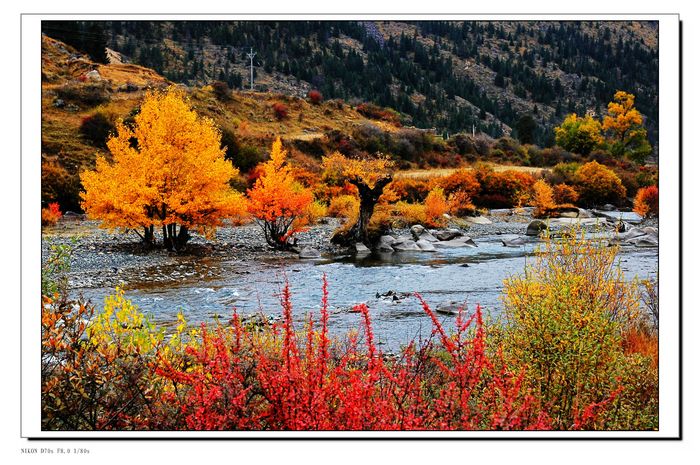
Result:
x=448 y=75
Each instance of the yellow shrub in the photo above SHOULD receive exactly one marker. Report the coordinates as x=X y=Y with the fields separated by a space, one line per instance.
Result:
x=344 y=206
x=407 y=214
x=565 y=319
x=542 y=199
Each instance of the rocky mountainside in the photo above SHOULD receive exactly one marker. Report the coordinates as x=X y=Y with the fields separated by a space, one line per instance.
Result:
x=455 y=76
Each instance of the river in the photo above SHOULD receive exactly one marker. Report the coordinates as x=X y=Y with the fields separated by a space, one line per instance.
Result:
x=210 y=287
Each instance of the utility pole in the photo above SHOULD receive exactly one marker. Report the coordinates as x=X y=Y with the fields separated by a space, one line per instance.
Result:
x=251 y=55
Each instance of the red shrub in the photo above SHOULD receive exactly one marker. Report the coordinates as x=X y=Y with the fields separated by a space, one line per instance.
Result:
x=302 y=381
x=460 y=181
x=281 y=110
x=315 y=97
x=51 y=215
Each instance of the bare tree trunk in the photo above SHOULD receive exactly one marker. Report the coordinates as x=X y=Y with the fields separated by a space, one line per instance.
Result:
x=368 y=200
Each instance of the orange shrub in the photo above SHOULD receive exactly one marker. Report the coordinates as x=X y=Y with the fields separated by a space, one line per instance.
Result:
x=314 y=212
x=503 y=189
x=460 y=204
x=564 y=193
x=51 y=215
x=543 y=199
x=646 y=202
x=407 y=214
x=410 y=189
x=599 y=184
x=461 y=180
x=436 y=206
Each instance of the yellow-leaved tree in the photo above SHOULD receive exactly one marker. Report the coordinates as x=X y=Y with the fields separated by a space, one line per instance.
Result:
x=277 y=200
x=370 y=175
x=625 y=129
x=167 y=171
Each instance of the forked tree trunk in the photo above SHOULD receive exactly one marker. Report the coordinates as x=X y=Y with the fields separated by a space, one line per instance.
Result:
x=368 y=200
x=173 y=239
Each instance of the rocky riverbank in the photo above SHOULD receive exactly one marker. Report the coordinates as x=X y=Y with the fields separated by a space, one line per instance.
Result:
x=101 y=258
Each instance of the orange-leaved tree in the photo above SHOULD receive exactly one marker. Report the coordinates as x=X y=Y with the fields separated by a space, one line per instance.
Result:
x=277 y=200
x=625 y=129
x=370 y=175
x=168 y=170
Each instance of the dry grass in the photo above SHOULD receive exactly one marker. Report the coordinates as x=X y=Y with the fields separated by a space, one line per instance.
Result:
x=440 y=172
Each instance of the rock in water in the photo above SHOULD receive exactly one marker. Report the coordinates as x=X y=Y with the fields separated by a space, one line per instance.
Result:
x=406 y=246
x=535 y=228
x=427 y=236
x=309 y=252
x=416 y=231
x=361 y=249
x=464 y=241
x=517 y=242
x=385 y=243
x=448 y=234
x=645 y=241
x=425 y=246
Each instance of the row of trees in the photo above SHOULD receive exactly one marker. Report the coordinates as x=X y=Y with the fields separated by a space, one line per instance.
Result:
x=169 y=172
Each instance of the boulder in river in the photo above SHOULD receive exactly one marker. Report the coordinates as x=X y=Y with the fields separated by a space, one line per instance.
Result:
x=573 y=221
x=463 y=241
x=309 y=252
x=425 y=246
x=385 y=243
x=450 y=308
x=406 y=246
x=516 y=242
x=535 y=228
x=448 y=234
x=645 y=241
x=427 y=236
x=416 y=231
x=361 y=249
x=628 y=217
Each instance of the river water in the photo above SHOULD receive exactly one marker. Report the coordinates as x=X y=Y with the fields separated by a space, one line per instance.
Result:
x=446 y=278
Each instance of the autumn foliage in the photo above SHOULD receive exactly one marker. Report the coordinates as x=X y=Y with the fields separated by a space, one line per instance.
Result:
x=598 y=184
x=277 y=200
x=51 y=214
x=624 y=126
x=543 y=199
x=167 y=170
x=646 y=202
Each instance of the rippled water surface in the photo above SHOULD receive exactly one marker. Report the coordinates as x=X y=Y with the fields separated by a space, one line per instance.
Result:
x=446 y=278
